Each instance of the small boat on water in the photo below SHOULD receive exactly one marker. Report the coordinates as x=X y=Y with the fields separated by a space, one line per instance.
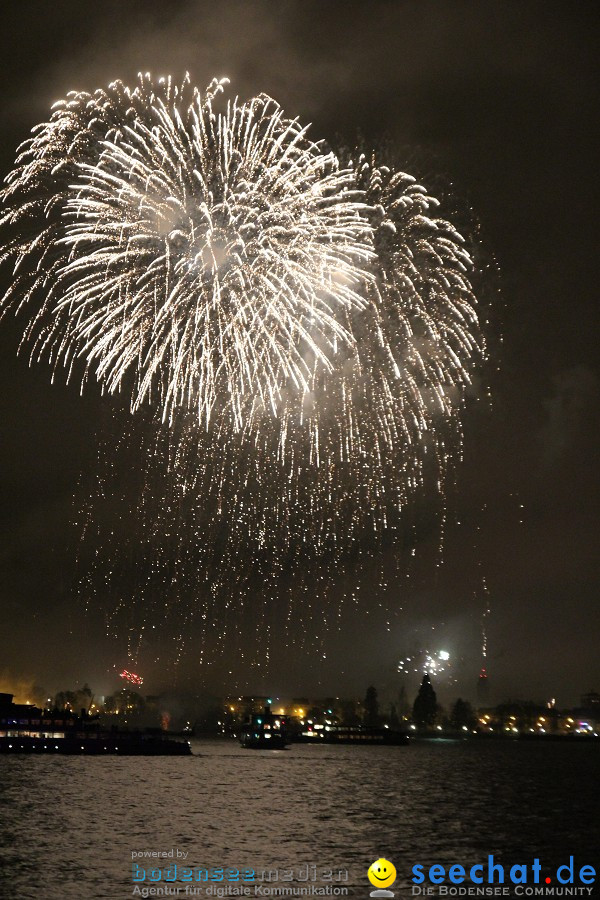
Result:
x=264 y=731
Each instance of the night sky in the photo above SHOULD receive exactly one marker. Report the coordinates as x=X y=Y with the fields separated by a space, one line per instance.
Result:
x=491 y=104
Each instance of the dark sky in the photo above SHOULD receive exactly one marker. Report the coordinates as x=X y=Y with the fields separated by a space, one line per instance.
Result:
x=492 y=103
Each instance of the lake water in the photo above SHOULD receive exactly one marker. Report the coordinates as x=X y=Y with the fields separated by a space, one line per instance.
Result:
x=68 y=825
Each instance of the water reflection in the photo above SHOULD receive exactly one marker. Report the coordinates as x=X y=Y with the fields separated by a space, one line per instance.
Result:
x=68 y=825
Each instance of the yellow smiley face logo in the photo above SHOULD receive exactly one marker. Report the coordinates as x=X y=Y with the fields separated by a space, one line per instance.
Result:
x=381 y=873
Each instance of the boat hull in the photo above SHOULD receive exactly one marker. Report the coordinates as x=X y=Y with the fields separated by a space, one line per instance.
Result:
x=102 y=745
x=355 y=736
x=252 y=742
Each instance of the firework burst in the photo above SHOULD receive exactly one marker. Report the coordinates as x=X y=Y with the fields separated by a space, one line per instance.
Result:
x=211 y=257
x=302 y=330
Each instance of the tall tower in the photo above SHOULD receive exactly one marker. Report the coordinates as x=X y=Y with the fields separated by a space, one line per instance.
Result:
x=483 y=688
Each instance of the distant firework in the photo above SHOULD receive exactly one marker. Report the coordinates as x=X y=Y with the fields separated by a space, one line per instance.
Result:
x=425 y=662
x=131 y=677
x=299 y=331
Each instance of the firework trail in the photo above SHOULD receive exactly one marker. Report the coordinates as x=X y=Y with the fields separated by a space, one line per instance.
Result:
x=300 y=329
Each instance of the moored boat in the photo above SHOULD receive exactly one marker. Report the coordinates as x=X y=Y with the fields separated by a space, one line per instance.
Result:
x=27 y=729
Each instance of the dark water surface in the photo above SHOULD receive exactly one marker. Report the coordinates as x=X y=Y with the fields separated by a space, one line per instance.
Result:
x=68 y=825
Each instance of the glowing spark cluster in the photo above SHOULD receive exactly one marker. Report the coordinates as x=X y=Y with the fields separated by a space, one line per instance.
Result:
x=425 y=662
x=131 y=677
x=296 y=328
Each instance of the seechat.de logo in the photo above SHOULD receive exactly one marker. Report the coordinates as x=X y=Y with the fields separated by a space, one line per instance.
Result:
x=521 y=877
